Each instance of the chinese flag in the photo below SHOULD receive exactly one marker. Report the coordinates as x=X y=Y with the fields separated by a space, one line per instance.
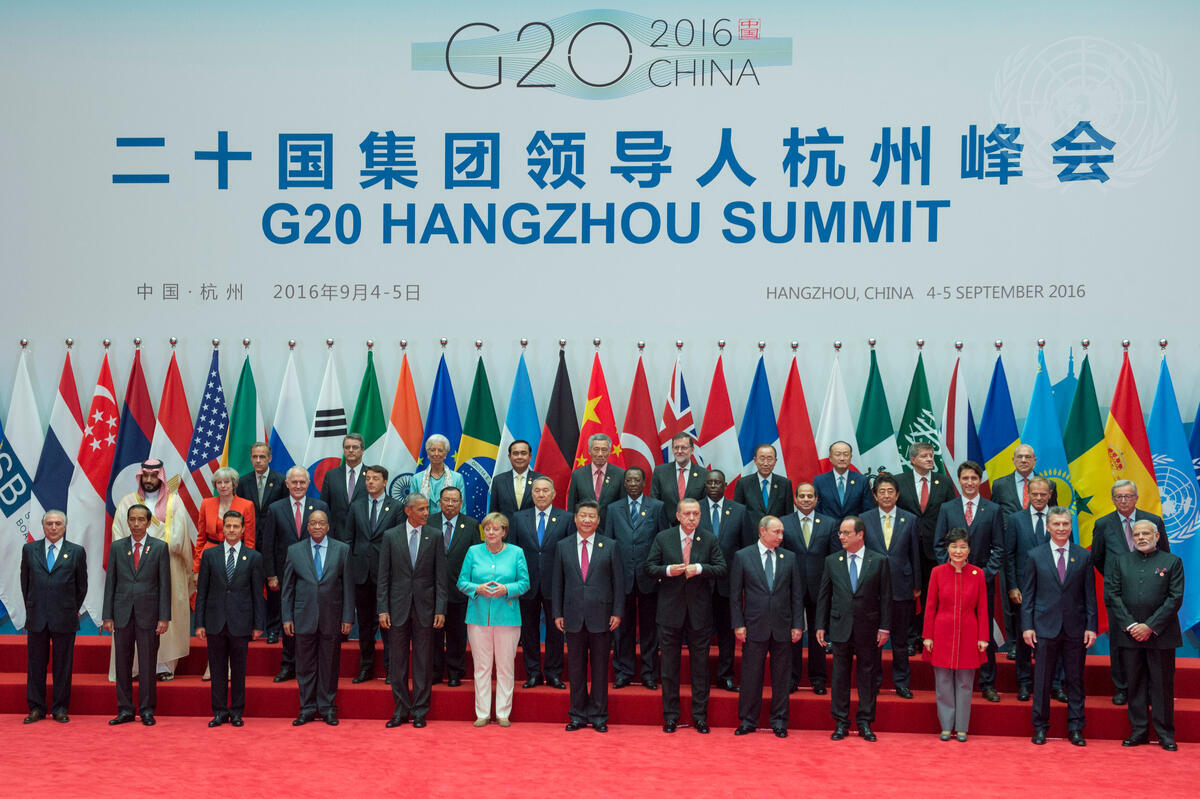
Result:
x=559 y=435
x=598 y=418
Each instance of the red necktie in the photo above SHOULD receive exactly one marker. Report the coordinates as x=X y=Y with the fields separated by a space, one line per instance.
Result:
x=298 y=531
x=682 y=483
x=1025 y=492
x=137 y=554
x=969 y=514
x=583 y=559
x=598 y=476
x=924 y=493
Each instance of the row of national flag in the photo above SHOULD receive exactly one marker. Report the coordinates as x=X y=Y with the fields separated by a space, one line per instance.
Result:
x=87 y=458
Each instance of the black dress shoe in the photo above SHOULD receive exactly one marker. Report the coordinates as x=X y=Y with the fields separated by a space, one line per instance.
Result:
x=1059 y=695
x=362 y=676
x=1010 y=653
x=701 y=727
x=454 y=682
x=729 y=685
x=601 y=727
x=839 y=732
x=61 y=718
x=819 y=690
x=904 y=692
x=793 y=686
x=1170 y=746
x=1039 y=737
x=285 y=675
x=331 y=719
x=556 y=682
x=669 y=726
x=419 y=722
x=35 y=716
x=990 y=694
x=914 y=650
x=397 y=720
x=303 y=719
x=864 y=732
x=1076 y=738
x=1023 y=693
x=780 y=732
x=217 y=720
x=650 y=685
x=575 y=725
x=1119 y=698
x=532 y=682
x=148 y=719
x=1136 y=740
x=743 y=729
x=272 y=638
x=236 y=721
x=122 y=718
x=622 y=682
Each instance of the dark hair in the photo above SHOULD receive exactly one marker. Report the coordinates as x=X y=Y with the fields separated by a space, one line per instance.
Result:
x=520 y=441
x=377 y=469
x=970 y=466
x=884 y=478
x=637 y=469
x=957 y=534
x=587 y=503
x=138 y=506
x=859 y=526
x=233 y=514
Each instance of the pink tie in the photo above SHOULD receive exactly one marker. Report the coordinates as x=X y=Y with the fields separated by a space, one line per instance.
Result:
x=298 y=530
x=598 y=475
x=682 y=483
x=970 y=514
x=583 y=559
x=1025 y=492
x=687 y=549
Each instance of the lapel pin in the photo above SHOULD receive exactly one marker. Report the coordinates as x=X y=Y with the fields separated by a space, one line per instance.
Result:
x=386 y=508
x=851 y=481
x=1072 y=560
x=840 y=559
x=310 y=507
x=66 y=555
x=599 y=545
x=974 y=572
x=553 y=518
x=728 y=511
x=643 y=513
x=243 y=557
x=780 y=556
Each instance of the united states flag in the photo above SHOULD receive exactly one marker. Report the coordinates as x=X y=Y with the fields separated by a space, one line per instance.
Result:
x=208 y=435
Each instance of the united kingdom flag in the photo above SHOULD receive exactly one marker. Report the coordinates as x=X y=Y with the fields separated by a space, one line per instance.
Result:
x=208 y=435
x=677 y=417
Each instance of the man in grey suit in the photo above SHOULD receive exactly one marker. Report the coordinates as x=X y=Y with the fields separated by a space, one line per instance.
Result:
x=731 y=524
x=137 y=610
x=599 y=480
x=767 y=608
x=371 y=515
x=53 y=585
x=230 y=611
x=588 y=584
x=318 y=609
x=632 y=523
x=512 y=490
x=679 y=479
x=411 y=602
x=537 y=531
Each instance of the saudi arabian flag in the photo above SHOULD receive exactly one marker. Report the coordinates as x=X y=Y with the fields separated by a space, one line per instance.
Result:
x=918 y=422
x=368 y=420
x=1087 y=456
x=479 y=445
x=875 y=434
x=245 y=423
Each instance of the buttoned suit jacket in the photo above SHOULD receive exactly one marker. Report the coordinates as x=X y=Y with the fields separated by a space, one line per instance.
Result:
x=941 y=489
x=665 y=486
x=274 y=489
x=312 y=605
x=365 y=541
x=236 y=604
x=540 y=558
x=843 y=612
x=824 y=542
x=1020 y=538
x=466 y=535
x=904 y=555
x=858 y=495
x=736 y=532
x=144 y=592
x=53 y=597
x=1155 y=602
x=766 y=613
x=1050 y=607
x=587 y=603
x=1108 y=536
x=333 y=494
x=404 y=586
x=748 y=491
x=986 y=532
x=279 y=531
x=634 y=539
x=1006 y=495
x=680 y=597
x=503 y=498
x=581 y=488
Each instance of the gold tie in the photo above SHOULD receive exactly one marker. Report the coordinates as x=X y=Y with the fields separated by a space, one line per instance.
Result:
x=806 y=527
x=887 y=531
x=519 y=488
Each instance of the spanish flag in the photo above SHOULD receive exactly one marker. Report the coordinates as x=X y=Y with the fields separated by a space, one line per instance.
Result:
x=1128 y=447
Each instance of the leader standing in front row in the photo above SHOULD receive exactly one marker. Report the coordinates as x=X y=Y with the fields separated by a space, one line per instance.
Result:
x=766 y=596
x=53 y=584
x=854 y=614
x=230 y=611
x=1143 y=592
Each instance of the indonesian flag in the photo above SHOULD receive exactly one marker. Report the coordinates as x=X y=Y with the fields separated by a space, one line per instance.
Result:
x=835 y=424
x=795 y=431
x=718 y=437
x=598 y=418
x=639 y=436
x=677 y=417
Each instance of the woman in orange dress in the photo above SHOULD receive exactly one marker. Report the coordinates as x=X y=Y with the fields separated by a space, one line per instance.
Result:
x=210 y=528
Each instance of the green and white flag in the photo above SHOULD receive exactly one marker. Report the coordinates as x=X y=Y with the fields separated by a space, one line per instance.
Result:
x=368 y=420
x=875 y=434
x=918 y=422
x=245 y=423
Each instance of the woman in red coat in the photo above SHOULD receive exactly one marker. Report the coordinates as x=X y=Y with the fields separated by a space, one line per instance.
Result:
x=956 y=632
x=210 y=527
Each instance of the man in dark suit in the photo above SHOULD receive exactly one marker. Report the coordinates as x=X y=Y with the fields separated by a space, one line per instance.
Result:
x=767 y=611
x=734 y=530
x=411 y=601
x=1112 y=536
x=598 y=480
x=370 y=516
x=1058 y=619
x=344 y=484
x=537 y=531
x=263 y=486
x=1026 y=530
x=53 y=584
x=458 y=532
x=922 y=493
x=764 y=493
x=853 y=612
x=813 y=538
x=893 y=533
x=287 y=524
x=1143 y=592
x=679 y=479
x=587 y=608
x=137 y=610
x=230 y=611
x=632 y=523
x=318 y=609
x=984 y=522
x=686 y=562
x=842 y=492
x=512 y=490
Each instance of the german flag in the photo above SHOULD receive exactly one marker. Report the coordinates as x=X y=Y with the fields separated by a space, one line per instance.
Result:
x=556 y=450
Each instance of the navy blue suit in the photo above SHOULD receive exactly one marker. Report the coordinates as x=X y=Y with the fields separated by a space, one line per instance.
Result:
x=823 y=543
x=1021 y=538
x=230 y=610
x=540 y=559
x=503 y=497
x=52 y=602
x=634 y=537
x=858 y=495
x=736 y=532
x=904 y=565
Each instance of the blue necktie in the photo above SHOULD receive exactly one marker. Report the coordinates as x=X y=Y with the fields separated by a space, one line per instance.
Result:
x=317 y=560
x=769 y=568
x=412 y=546
x=842 y=488
x=716 y=518
x=1041 y=529
x=766 y=492
x=50 y=558
x=633 y=511
x=541 y=526
x=229 y=567
x=854 y=572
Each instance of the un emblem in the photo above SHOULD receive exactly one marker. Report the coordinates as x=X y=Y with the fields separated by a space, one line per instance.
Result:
x=1180 y=498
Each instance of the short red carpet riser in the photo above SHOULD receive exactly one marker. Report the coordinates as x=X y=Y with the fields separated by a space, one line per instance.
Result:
x=187 y=695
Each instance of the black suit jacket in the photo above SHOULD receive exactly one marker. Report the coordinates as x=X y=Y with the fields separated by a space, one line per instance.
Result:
x=235 y=604
x=1108 y=537
x=986 y=532
x=317 y=606
x=858 y=495
x=904 y=556
x=587 y=604
x=333 y=494
x=540 y=559
x=941 y=489
x=274 y=489
x=1050 y=607
x=634 y=538
x=144 y=592
x=363 y=539
x=403 y=586
x=1006 y=495
x=581 y=487
x=665 y=486
x=53 y=598
x=766 y=613
x=279 y=532
x=736 y=532
x=1020 y=538
x=503 y=498
x=466 y=535
x=841 y=612
x=680 y=597
x=823 y=543
x=748 y=491
x=1145 y=589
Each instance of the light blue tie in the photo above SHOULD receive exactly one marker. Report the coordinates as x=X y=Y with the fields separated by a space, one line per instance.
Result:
x=716 y=518
x=412 y=546
x=317 y=565
x=769 y=568
x=541 y=526
x=50 y=558
x=633 y=512
x=854 y=572
x=766 y=492
x=841 y=488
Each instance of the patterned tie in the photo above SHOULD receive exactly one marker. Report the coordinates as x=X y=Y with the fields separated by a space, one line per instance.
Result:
x=598 y=482
x=318 y=565
x=633 y=511
x=541 y=526
x=229 y=566
x=374 y=514
x=769 y=568
x=806 y=528
x=449 y=533
x=50 y=558
x=682 y=483
x=841 y=488
x=1062 y=564
x=887 y=531
x=766 y=492
x=298 y=519
x=1129 y=534
x=519 y=488
x=716 y=517
x=969 y=514
x=1041 y=527
x=583 y=559
x=137 y=554
x=854 y=572
x=687 y=549
x=412 y=547
x=350 y=483
x=1024 y=492
x=262 y=488
x=924 y=493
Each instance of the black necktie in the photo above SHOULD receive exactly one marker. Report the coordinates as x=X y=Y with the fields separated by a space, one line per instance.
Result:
x=374 y=514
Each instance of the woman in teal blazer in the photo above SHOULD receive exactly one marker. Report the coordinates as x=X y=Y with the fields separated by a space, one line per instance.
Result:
x=493 y=576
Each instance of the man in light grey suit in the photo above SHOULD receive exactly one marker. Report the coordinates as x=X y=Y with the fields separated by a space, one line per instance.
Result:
x=317 y=607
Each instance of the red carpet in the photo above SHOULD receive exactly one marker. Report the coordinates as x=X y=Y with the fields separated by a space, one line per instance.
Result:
x=268 y=758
